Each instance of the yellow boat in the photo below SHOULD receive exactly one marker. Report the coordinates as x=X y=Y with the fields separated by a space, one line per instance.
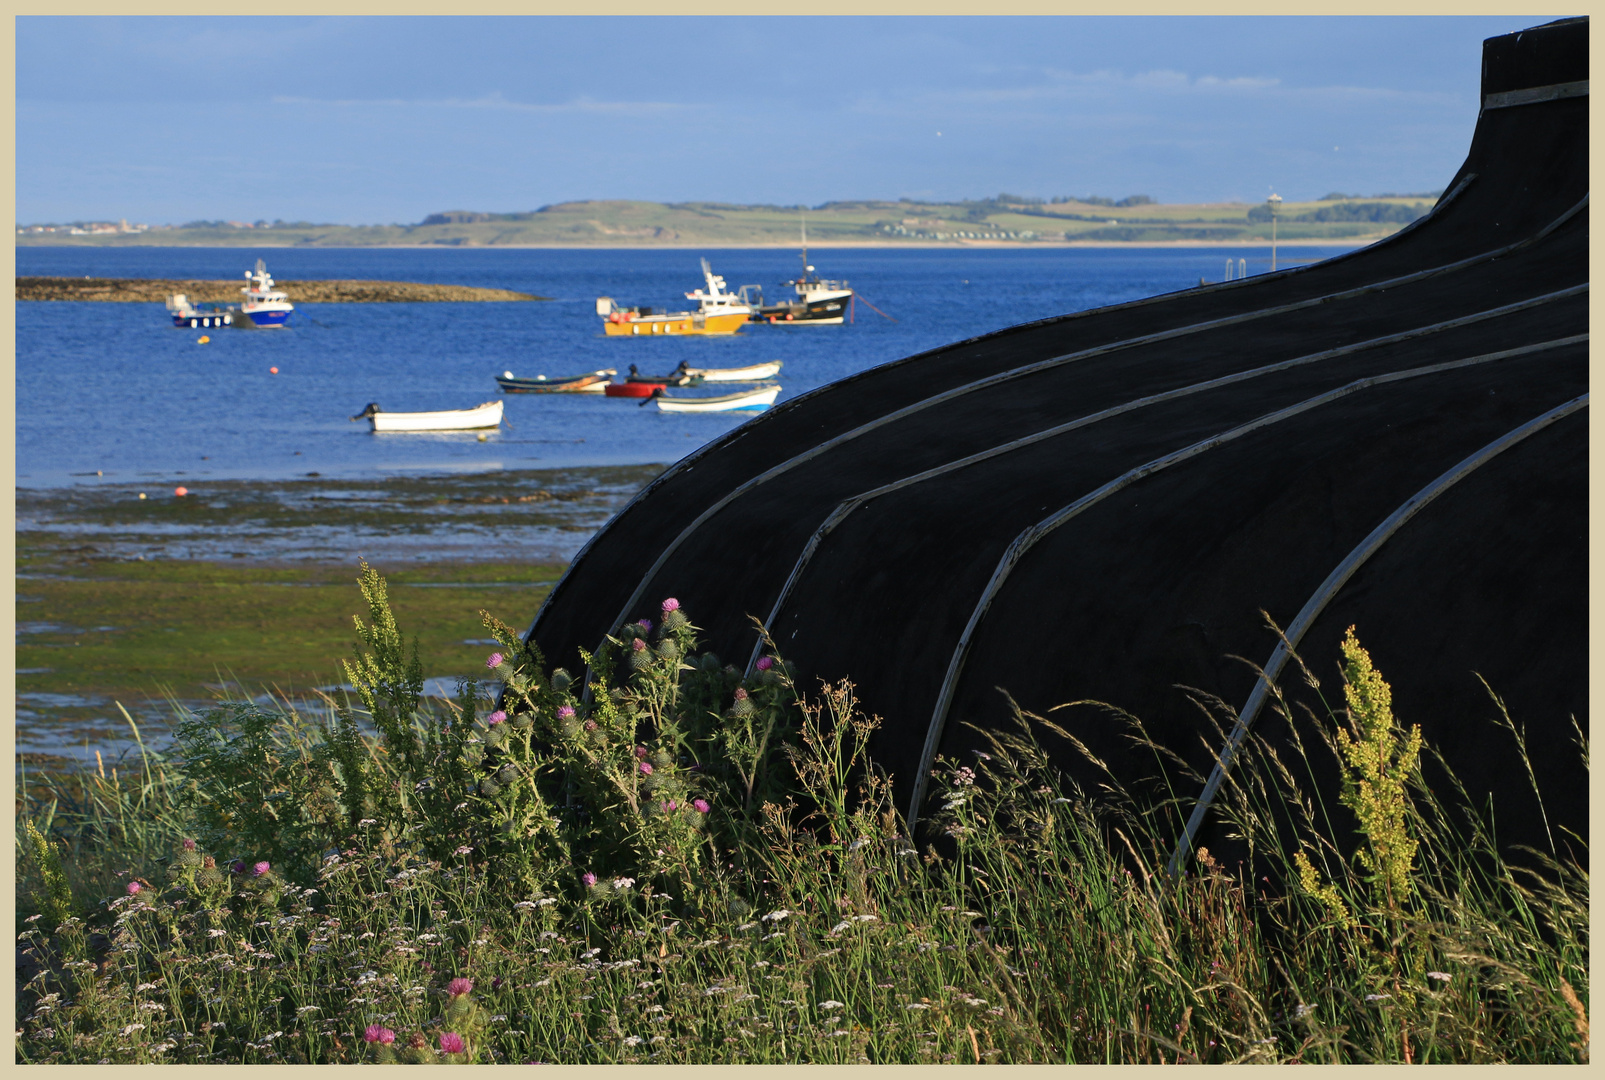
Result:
x=718 y=313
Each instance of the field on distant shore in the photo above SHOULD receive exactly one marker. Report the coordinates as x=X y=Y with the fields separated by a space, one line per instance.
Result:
x=624 y=223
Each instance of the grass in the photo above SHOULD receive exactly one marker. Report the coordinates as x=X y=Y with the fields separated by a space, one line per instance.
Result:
x=686 y=866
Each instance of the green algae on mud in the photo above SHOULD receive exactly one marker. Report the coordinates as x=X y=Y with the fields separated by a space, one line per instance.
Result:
x=247 y=586
x=132 y=632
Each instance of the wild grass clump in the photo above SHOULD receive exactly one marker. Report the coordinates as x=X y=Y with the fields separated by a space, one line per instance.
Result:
x=669 y=862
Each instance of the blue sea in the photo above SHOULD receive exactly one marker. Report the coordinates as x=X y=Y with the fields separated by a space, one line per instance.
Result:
x=113 y=393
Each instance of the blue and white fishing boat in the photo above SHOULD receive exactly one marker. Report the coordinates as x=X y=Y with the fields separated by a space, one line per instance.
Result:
x=264 y=305
x=186 y=313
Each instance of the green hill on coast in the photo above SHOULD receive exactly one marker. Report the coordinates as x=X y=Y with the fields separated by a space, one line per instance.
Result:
x=1005 y=220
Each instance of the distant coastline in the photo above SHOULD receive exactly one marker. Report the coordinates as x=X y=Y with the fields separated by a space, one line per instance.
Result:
x=1001 y=222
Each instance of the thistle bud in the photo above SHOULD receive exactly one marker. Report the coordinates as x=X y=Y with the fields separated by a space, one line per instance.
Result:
x=508 y=773
x=488 y=787
x=561 y=680
x=743 y=704
x=669 y=649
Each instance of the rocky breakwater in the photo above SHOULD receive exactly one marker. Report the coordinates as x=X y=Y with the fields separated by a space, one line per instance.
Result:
x=148 y=290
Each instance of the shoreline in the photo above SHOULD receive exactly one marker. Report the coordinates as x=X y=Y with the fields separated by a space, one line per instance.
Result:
x=827 y=245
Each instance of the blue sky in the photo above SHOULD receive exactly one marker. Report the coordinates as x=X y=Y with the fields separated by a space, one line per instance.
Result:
x=374 y=120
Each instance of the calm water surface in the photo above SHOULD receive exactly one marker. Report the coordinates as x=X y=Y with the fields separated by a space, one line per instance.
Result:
x=116 y=388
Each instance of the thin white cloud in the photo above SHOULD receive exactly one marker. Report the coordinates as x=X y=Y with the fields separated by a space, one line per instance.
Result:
x=494 y=101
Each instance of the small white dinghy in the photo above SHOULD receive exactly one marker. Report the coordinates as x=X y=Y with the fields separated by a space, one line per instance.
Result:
x=747 y=401
x=737 y=374
x=488 y=415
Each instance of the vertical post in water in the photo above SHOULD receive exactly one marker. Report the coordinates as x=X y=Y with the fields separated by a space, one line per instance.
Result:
x=1275 y=200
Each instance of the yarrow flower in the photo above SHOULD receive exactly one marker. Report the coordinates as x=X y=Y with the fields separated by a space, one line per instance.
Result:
x=458 y=987
x=764 y=663
x=588 y=879
x=497 y=717
x=623 y=882
x=1441 y=976
x=700 y=805
x=377 y=1034
x=133 y=887
x=565 y=712
x=671 y=604
x=260 y=868
x=451 y=1042
x=494 y=661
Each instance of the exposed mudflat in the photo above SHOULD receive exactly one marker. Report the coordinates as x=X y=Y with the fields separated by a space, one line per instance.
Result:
x=147 y=290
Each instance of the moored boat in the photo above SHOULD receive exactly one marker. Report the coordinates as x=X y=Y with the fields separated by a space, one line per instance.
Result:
x=755 y=400
x=629 y=389
x=718 y=313
x=753 y=373
x=488 y=415
x=264 y=305
x=819 y=302
x=193 y=315
x=593 y=382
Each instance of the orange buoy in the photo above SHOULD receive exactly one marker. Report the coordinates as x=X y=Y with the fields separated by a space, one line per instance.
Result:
x=181 y=491
x=204 y=339
x=273 y=371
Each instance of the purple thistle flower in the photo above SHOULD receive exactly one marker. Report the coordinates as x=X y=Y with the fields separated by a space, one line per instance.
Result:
x=646 y=768
x=640 y=752
x=133 y=887
x=377 y=1034
x=764 y=663
x=189 y=845
x=565 y=712
x=451 y=1042
x=497 y=717
x=670 y=806
x=260 y=868
x=496 y=983
x=638 y=645
x=588 y=879
x=237 y=866
x=460 y=986
x=671 y=604
x=493 y=661
x=645 y=624
x=700 y=805
x=741 y=693
x=590 y=725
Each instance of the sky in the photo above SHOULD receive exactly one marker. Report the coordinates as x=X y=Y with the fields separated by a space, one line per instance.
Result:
x=385 y=120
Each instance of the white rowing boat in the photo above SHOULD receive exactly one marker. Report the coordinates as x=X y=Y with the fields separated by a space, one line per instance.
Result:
x=488 y=415
x=737 y=374
x=747 y=401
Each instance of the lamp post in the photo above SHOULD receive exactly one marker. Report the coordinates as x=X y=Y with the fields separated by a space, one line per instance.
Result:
x=1275 y=200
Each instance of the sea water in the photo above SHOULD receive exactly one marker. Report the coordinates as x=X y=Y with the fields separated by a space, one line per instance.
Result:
x=114 y=393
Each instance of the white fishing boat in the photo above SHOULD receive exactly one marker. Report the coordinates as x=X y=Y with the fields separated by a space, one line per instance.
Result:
x=754 y=373
x=488 y=415
x=747 y=401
